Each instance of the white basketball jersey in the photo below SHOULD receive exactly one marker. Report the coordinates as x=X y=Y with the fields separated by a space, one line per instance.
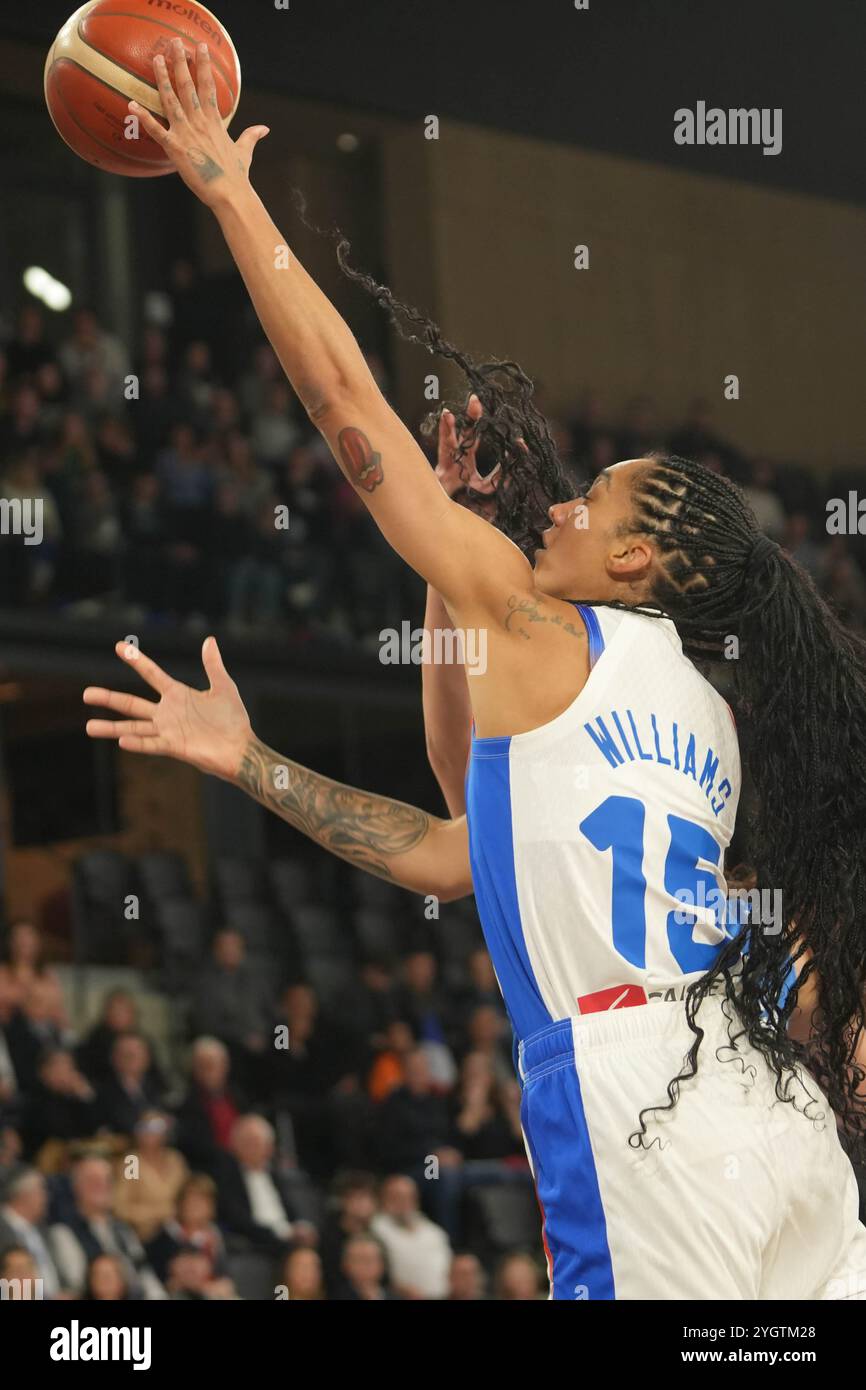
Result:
x=597 y=841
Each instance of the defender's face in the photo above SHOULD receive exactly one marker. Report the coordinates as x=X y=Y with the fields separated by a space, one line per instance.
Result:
x=585 y=533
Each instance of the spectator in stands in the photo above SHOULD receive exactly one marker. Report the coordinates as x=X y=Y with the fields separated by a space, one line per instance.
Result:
x=107 y=1280
x=367 y=1005
x=488 y=1032
x=126 y=1094
x=413 y=1122
x=35 y=1029
x=482 y=988
x=418 y=1251
x=302 y=1276
x=96 y=541
x=18 y=1268
x=316 y=1079
x=116 y=451
x=763 y=498
x=60 y=1105
x=8 y=1079
x=158 y=411
x=256 y=382
x=254 y=1197
x=90 y=348
x=53 y=397
x=842 y=582
x=146 y=1190
x=207 y=1115
x=364 y=1272
x=119 y=1016
x=190 y=1277
x=197 y=384
x=92 y=1229
x=193 y=1225
x=23 y=425
x=28 y=350
x=413 y=1133
x=354 y=1206
x=518 y=1279
x=800 y=543
x=274 y=433
x=11 y=1151
x=388 y=1072
x=23 y=963
x=22 y=1217
x=420 y=999
x=230 y=1001
x=466 y=1280
x=192 y=315
x=257 y=582
x=486 y=1127
x=143 y=561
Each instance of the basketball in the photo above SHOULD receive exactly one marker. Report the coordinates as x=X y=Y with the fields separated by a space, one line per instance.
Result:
x=103 y=57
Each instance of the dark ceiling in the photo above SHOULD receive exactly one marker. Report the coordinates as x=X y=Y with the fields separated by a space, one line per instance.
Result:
x=608 y=78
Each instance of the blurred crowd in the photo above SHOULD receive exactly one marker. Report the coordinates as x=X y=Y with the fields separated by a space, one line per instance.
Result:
x=161 y=473
x=370 y=1150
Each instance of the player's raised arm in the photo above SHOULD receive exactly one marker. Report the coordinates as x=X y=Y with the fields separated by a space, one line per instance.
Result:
x=471 y=564
x=444 y=687
x=210 y=729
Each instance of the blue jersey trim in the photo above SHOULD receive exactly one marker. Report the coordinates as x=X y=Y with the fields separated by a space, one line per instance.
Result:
x=593 y=629
x=491 y=858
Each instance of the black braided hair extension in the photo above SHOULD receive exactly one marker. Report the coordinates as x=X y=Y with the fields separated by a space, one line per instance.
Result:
x=512 y=430
x=800 y=681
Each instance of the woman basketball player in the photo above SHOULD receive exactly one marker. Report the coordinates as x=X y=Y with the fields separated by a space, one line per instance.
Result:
x=680 y=1149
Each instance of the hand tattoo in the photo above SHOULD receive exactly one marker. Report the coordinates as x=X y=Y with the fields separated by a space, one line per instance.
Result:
x=358 y=826
x=207 y=167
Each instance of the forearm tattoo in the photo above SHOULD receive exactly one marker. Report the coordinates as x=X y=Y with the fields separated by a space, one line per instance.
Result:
x=365 y=829
x=362 y=463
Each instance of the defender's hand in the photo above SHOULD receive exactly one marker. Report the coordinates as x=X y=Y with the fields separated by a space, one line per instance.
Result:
x=455 y=474
x=208 y=728
x=211 y=164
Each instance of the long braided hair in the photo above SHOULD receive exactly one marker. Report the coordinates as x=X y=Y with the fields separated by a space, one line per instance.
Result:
x=800 y=683
x=800 y=693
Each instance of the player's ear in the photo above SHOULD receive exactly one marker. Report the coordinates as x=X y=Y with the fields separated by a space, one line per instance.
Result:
x=630 y=558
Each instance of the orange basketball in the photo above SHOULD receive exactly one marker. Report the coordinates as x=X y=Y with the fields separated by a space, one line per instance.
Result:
x=103 y=57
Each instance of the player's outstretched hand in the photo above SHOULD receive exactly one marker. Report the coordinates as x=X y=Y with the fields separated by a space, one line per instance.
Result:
x=195 y=140
x=208 y=728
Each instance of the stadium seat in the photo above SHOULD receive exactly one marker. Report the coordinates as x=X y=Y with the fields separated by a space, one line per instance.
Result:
x=163 y=874
x=238 y=880
x=100 y=885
